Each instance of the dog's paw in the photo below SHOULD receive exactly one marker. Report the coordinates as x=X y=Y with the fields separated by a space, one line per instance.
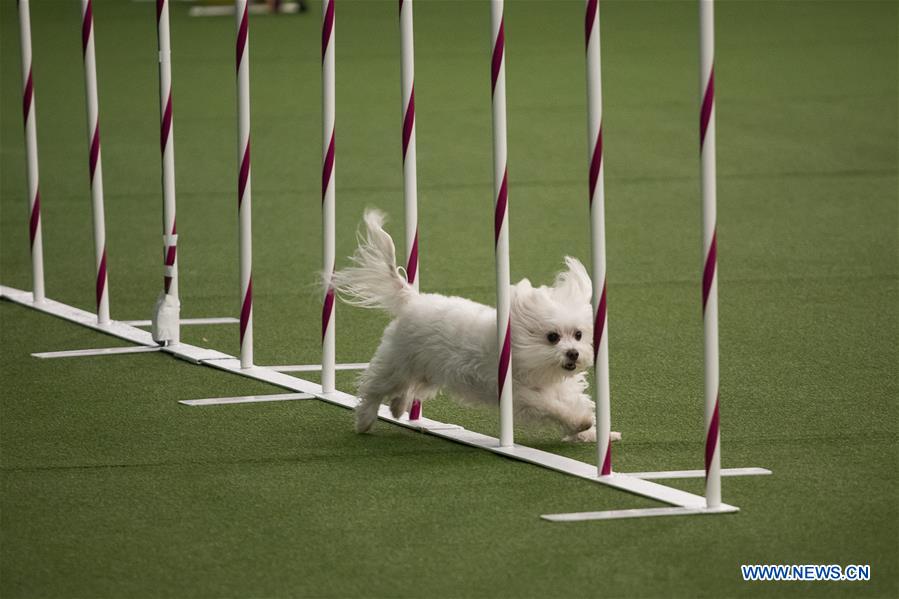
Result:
x=585 y=436
x=363 y=426
x=589 y=436
x=398 y=407
x=366 y=414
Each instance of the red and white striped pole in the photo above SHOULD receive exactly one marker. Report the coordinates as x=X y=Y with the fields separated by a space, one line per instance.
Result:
x=94 y=163
x=598 y=240
x=328 y=203
x=709 y=250
x=501 y=226
x=244 y=196
x=34 y=195
x=410 y=170
x=167 y=319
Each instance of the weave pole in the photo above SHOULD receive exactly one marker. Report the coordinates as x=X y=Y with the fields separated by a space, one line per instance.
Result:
x=166 y=322
x=329 y=234
x=29 y=115
x=598 y=239
x=94 y=162
x=410 y=169
x=501 y=226
x=244 y=196
x=709 y=250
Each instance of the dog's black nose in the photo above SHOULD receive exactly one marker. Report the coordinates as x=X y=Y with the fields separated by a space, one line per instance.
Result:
x=572 y=354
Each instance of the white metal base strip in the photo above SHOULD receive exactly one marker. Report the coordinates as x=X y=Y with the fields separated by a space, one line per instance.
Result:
x=222 y=361
x=191 y=353
x=187 y=321
x=317 y=367
x=639 y=513
x=194 y=354
x=254 y=9
x=102 y=351
x=698 y=473
x=82 y=317
x=461 y=435
x=215 y=401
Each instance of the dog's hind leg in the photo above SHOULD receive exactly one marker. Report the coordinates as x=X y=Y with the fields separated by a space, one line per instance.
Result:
x=366 y=414
x=401 y=404
x=381 y=382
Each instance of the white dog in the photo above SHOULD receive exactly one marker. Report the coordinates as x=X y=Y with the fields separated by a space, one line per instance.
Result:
x=437 y=342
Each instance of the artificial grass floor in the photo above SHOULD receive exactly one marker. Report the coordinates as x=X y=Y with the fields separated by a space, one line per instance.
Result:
x=110 y=488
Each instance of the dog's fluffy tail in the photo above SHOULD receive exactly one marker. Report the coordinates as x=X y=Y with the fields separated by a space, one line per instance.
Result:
x=374 y=280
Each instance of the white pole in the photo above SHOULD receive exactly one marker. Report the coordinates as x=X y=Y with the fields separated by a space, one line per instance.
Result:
x=95 y=164
x=34 y=194
x=166 y=323
x=244 y=196
x=328 y=202
x=501 y=226
x=709 y=250
x=410 y=174
x=598 y=240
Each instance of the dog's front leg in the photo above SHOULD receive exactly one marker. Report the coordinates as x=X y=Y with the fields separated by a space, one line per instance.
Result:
x=579 y=403
x=589 y=436
x=574 y=413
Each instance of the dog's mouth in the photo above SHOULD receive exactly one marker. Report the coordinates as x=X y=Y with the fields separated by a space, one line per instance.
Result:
x=569 y=366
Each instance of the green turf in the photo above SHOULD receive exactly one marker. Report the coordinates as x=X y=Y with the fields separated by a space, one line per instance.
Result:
x=110 y=488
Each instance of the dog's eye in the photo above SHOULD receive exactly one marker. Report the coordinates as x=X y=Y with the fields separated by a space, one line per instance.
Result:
x=577 y=335
x=553 y=338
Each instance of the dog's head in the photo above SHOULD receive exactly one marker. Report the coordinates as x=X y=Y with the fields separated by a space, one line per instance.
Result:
x=552 y=327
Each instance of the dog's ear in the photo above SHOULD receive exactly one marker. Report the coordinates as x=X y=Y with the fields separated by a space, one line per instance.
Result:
x=521 y=291
x=522 y=286
x=573 y=285
x=525 y=306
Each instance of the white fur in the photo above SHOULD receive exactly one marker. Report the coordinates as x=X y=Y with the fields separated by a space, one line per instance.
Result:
x=437 y=342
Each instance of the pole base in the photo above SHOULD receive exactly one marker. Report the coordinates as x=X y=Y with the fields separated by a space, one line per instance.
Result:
x=650 y=512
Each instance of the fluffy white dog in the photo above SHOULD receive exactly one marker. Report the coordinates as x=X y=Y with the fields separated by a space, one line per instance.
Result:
x=437 y=342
